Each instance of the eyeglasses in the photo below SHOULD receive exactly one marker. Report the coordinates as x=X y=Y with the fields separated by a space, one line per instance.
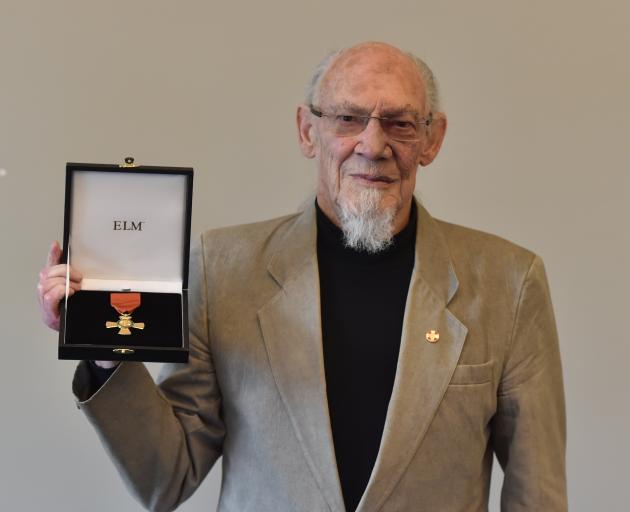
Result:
x=403 y=128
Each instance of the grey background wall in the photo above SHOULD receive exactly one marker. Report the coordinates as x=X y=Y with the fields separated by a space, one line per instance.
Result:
x=538 y=97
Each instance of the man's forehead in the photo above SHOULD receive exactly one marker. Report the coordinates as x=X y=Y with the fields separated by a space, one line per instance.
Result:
x=369 y=69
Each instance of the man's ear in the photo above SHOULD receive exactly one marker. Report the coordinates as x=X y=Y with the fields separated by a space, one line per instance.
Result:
x=305 y=128
x=435 y=137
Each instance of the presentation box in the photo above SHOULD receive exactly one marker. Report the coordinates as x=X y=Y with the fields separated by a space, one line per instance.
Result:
x=127 y=230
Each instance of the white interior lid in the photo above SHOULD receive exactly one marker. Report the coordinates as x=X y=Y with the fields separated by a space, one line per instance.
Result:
x=127 y=230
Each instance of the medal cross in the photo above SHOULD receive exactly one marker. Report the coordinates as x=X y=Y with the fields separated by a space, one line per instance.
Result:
x=125 y=324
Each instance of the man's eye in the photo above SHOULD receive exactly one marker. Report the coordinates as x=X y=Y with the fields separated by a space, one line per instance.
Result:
x=402 y=124
x=348 y=119
x=401 y=127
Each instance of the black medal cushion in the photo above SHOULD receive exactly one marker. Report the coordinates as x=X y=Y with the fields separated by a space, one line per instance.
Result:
x=89 y=311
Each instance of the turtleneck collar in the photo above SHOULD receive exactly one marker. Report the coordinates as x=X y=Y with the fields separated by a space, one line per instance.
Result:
x=330 y=239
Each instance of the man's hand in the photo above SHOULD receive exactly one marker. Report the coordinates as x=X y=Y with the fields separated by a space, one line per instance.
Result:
x=52 y=286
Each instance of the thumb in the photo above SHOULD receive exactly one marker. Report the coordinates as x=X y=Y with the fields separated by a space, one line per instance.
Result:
x=54 y=255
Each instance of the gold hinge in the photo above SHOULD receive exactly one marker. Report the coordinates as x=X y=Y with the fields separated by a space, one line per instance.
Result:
x=129 y=162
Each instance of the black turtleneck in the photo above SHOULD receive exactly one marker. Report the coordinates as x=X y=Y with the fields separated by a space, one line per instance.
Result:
x=363 y=303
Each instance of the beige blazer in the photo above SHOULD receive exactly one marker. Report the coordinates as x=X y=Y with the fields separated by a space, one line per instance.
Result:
x=254 y=390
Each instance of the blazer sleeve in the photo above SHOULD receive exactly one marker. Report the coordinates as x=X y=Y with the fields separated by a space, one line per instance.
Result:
x=528 y=430
x=163 y=438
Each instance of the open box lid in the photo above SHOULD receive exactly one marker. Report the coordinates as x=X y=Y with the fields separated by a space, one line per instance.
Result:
x=128 y=227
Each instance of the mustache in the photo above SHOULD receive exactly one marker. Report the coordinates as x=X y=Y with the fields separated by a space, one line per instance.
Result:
x=371 y=168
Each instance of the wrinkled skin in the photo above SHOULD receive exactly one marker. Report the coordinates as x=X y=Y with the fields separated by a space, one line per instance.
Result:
x=378 y=80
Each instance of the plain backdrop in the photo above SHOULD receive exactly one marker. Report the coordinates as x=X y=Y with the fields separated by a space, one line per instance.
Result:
x=538 y=98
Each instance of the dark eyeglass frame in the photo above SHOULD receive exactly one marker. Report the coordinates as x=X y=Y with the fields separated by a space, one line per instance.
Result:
x=423 y=121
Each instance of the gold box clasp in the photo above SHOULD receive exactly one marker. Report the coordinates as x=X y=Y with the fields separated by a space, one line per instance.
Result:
x=124 y=351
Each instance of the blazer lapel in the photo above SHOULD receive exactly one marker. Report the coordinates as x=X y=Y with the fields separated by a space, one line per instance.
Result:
x=424 y=369
x=291 y=328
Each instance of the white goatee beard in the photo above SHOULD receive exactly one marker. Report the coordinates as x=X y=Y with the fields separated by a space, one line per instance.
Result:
x=365 y=226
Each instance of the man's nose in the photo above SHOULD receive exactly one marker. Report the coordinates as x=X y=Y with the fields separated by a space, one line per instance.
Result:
x=373 y=142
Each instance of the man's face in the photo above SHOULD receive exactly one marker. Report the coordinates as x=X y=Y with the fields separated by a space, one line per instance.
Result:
x=370 y=80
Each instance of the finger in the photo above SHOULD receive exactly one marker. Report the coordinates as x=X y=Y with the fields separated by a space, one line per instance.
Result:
x=52 y=298
x=50 y=301
x=50 y=307
x=46 y=285
x=54 y=254
x=60 y=271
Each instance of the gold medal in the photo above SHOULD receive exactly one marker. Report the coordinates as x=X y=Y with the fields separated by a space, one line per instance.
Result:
x=125 y=304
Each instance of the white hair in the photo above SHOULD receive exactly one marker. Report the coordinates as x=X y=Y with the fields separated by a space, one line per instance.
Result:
x=365 y=226
x=433 y=103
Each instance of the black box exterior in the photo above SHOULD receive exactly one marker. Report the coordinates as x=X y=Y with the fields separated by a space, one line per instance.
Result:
x=172 y=347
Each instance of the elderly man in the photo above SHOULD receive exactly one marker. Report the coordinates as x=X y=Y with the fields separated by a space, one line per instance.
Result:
x=359 y=355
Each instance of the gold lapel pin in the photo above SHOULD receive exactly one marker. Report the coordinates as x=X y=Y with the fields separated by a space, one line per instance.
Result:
x=432 y=336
